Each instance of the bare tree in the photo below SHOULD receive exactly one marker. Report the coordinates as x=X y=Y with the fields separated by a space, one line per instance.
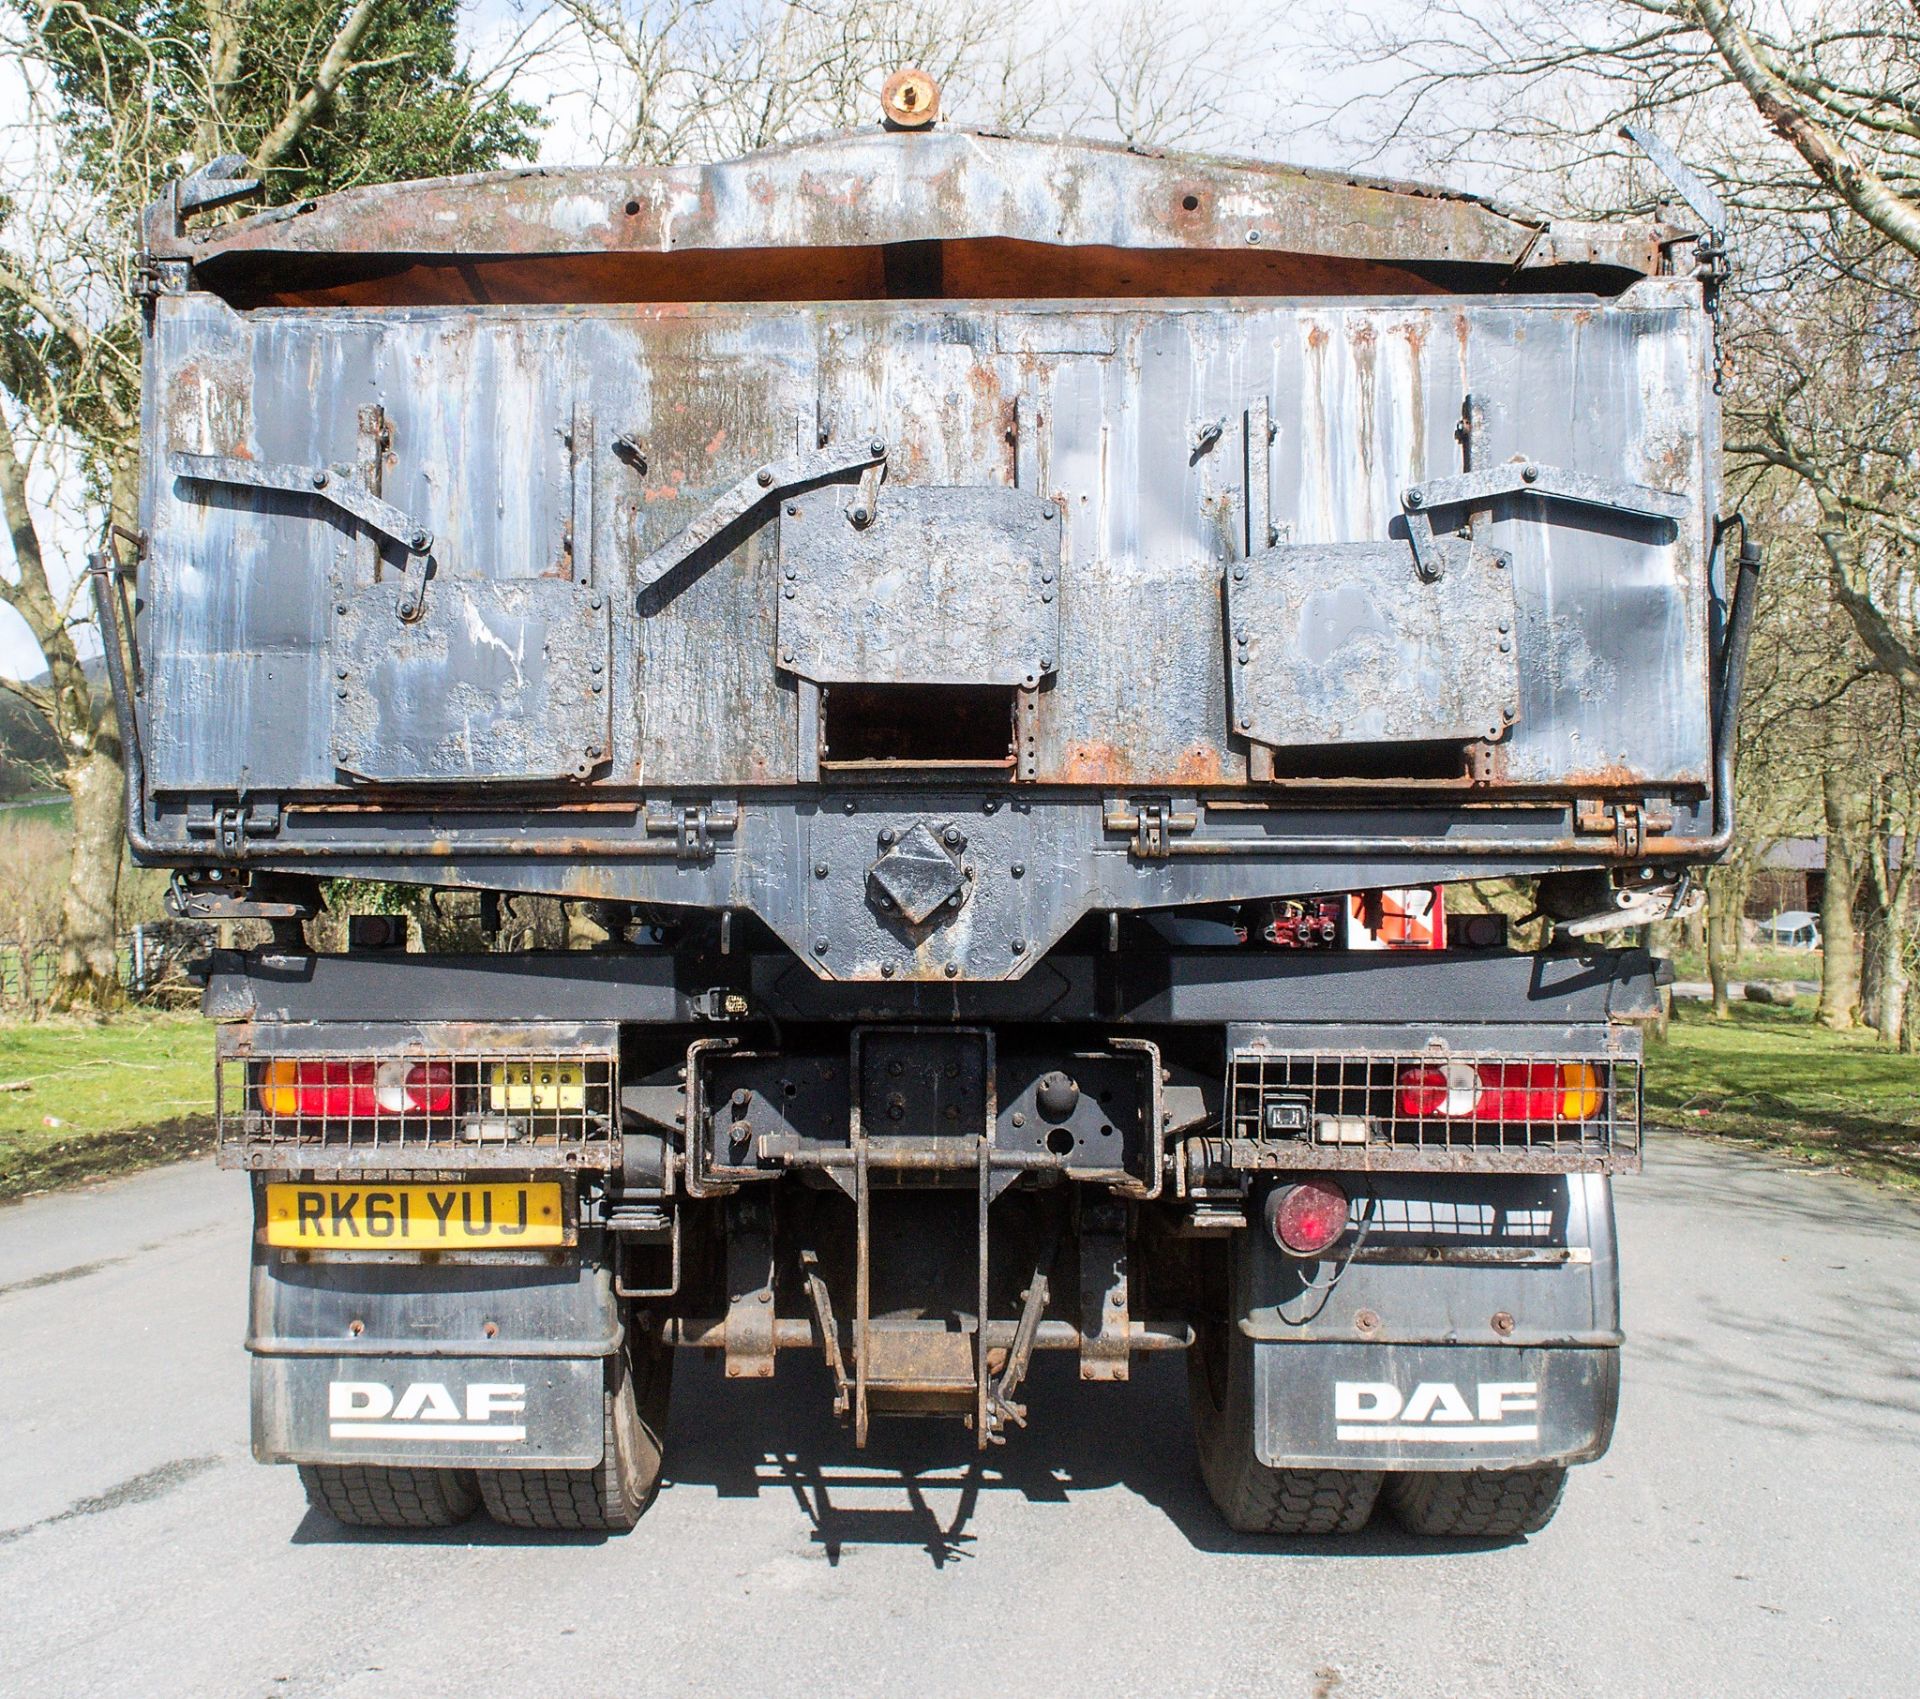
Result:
x=673 y=80
x=122 y=96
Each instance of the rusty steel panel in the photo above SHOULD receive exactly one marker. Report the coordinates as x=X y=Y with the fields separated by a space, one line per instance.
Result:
x=1346 y=643
x=871 y=189
x=431 y=499
x=494 y=681
x=933 y=586
x=504 y=434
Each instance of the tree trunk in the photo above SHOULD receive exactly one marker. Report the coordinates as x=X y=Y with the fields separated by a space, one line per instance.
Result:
x=1726 y=899
x=89 y=915
x=1890 y=1001
x=1846 y=810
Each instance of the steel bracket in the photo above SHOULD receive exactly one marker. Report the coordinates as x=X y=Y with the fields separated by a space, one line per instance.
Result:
x=750 y=1305
x=1628 y=822
x=1106 y=1320
x=323 y=483
x=765 y=484
x=1151 y=825
x=229 y=824
x=1523 y=477
x=694 y=825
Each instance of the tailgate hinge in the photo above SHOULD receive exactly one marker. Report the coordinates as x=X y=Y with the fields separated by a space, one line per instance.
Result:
x=1628 y=823
x=1152 y=825
x=694 y=825
x=228 y=824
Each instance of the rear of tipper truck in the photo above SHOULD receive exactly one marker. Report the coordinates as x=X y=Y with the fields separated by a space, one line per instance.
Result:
x=1018 y=648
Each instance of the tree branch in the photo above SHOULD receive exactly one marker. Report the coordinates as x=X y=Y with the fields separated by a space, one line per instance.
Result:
x=1863 y=190
x=335 y=65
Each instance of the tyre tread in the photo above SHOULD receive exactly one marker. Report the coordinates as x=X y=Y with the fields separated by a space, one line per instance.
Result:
x=1477 y=1503
x=371 y=1496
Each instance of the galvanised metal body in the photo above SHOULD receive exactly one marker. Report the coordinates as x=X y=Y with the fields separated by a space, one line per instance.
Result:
x=899 y=570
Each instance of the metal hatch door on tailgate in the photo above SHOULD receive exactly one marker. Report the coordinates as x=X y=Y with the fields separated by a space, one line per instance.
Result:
x=370 y=552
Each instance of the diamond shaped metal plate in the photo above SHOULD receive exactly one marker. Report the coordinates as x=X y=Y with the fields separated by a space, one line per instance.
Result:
x=917 y=875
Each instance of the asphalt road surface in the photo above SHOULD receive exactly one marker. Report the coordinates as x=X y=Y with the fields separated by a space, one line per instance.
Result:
x=1755 y=1530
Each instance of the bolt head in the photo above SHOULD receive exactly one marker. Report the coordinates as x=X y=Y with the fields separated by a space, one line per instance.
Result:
x=423 y=540
x=1412 y=498
x=821 y=946
x=877 y=447
x=953 y=970
x=859 y=516
x=1529 y=474
x=763 y=477
x=886 y=834
x=1019 y=946
x=1018 y=870
x=1048 y=510
x=951 y=835
x=320 y=480
x=886 y=970
x=819 y=870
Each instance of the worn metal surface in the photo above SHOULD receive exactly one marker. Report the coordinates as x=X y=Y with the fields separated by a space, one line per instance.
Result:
x=642 y=449
x=1343 y=643
x=857 y=190
x=491 y=682
x=937 y=585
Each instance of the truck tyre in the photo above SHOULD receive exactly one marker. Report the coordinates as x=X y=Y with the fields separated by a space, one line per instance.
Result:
x=1494 y=1504
x=610 y=1497
x=367 y=1497
x=1254 y=1497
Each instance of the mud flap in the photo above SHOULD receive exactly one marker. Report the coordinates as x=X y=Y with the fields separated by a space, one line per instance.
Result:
x=1431 y=1406
x=1477 y=1326
x=412 y=1364
x=437 y=1412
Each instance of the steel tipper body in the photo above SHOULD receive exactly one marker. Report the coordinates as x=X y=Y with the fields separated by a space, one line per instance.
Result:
x=1014 y=639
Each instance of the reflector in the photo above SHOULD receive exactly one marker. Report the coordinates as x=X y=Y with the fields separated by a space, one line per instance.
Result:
x=1305 y=1219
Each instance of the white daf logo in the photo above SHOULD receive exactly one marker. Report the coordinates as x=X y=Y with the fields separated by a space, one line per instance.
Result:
x=369 y=1409
x=1435 y=1411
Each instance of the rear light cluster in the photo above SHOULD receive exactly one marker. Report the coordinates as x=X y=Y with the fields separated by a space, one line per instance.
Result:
x=1501 y=1091
x=356 y=1090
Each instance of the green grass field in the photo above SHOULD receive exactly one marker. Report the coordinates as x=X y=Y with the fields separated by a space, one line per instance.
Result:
x=80 y=1097
x=83 y=1098
x=1755 y=963
x=1774 y=1078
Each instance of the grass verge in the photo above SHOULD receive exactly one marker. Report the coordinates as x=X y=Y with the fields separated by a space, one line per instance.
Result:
x=79 y=1098
x=1776 y=1080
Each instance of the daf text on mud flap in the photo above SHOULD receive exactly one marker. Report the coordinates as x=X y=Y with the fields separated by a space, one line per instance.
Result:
x=369 y=1409
x=1435 y=1411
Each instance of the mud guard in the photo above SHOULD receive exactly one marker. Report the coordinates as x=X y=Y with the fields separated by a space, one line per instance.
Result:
x=1454 y=1350
x=409 y=1364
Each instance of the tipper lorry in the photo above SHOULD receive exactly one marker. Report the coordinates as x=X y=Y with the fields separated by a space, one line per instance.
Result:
x=1019 y=646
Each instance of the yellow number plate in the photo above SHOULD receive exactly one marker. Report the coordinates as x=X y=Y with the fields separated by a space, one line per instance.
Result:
x=415 y=1218
x=536 y=1085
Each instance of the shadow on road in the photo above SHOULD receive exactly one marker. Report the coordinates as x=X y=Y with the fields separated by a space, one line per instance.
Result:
x=921 y=1483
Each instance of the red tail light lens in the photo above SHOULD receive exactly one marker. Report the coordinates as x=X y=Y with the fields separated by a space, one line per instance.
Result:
x=1501 y=1091
x=1307 y=1218
x=333 y=1090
